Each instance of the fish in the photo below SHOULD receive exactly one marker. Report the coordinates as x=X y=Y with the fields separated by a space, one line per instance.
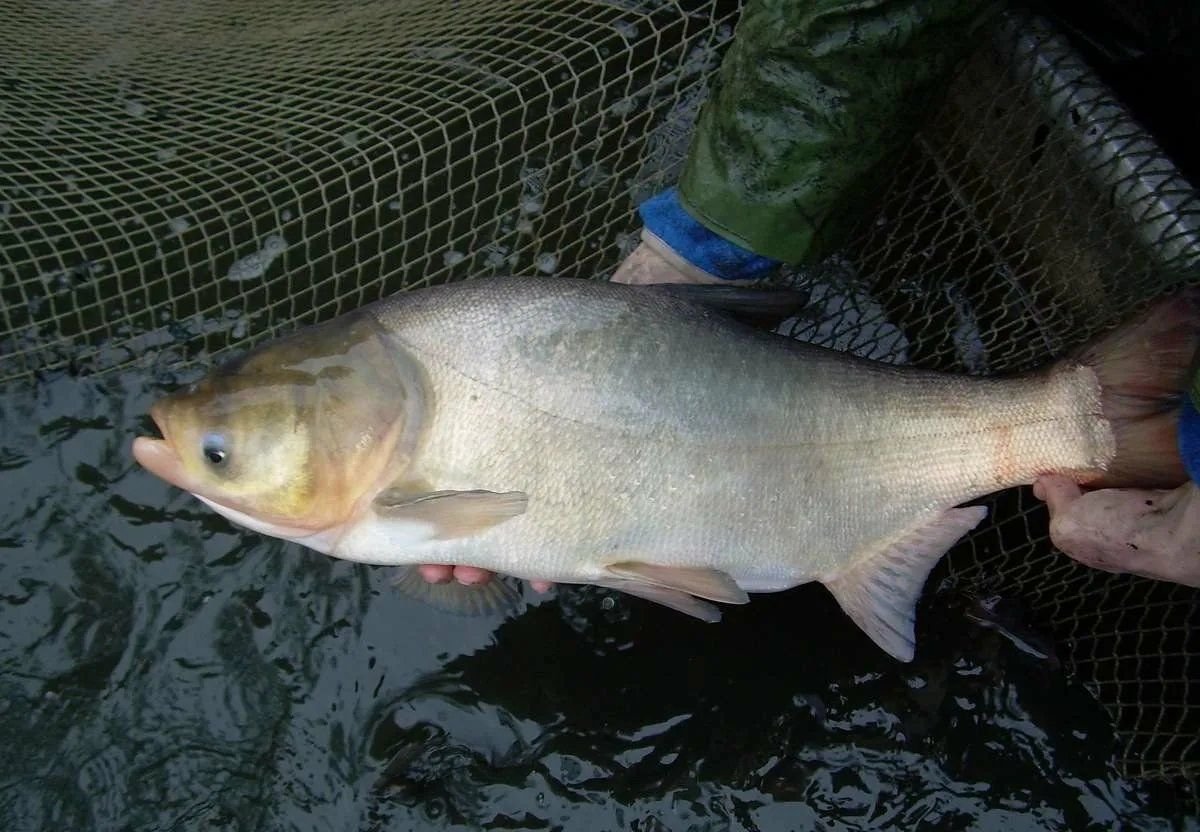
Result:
x=640 y=439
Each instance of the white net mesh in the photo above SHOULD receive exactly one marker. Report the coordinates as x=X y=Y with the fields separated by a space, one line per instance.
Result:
x=228 y=168
x=178 y=179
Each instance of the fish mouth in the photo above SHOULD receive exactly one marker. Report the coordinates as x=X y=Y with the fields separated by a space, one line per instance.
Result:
x=158 y=456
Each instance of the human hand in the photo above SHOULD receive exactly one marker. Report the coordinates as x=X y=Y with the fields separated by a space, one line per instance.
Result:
x=646 y=265
x=676 y=248
x=440 y=573
x=1152 y=533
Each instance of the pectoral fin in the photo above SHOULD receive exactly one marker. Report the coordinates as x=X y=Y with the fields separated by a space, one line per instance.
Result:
x=880 y=593
x=451 y=514
x=495 y=596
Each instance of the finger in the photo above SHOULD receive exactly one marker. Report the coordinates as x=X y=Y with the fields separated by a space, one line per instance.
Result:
x=436 y=573
x=1056 y=491
x=645 y=266
x=541 y=587
x=471 y=575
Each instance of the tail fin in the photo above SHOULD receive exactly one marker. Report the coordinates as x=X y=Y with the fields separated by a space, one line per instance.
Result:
x=1143 y=368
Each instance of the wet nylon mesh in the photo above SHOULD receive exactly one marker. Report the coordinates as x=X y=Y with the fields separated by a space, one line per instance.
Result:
x=178 y=179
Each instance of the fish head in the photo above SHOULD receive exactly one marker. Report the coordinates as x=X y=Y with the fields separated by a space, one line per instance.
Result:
x=295 y=438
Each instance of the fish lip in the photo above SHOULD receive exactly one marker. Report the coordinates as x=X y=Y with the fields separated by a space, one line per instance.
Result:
x=159 y=458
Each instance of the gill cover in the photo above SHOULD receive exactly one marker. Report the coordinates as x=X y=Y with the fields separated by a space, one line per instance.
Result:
x=297 y=431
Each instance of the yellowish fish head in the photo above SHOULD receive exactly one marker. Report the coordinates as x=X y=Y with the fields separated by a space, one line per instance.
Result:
x=246 y=447
x=293 y=439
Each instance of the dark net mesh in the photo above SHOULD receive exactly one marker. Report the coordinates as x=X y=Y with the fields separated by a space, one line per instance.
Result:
x=178 y=179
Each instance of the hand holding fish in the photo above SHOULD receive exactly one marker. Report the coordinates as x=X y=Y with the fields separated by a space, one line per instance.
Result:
x=441 y=573
x=1152 y=533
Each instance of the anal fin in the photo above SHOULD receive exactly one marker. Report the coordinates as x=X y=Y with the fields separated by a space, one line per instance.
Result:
x=495 y=596
x=880 y=592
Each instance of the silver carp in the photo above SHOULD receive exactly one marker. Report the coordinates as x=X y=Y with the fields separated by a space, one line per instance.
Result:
x=578 y=431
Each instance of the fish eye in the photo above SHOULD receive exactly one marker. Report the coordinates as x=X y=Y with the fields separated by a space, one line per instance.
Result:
x=214 y=450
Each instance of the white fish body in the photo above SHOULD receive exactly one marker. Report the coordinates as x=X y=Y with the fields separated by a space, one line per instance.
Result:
x=583 y=432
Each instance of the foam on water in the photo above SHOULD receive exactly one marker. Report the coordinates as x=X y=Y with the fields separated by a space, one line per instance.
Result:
x=255 y=265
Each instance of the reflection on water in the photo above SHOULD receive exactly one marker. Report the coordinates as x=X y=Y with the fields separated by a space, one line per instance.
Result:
x=160 y=669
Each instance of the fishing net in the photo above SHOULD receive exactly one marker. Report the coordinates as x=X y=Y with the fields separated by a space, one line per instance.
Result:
x=179 y=179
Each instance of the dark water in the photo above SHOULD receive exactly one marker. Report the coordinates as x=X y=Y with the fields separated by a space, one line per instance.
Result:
x=164 y=670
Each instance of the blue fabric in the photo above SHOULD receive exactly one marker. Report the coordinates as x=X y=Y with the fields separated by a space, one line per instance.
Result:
x=664 y=217
x=1189 y=438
